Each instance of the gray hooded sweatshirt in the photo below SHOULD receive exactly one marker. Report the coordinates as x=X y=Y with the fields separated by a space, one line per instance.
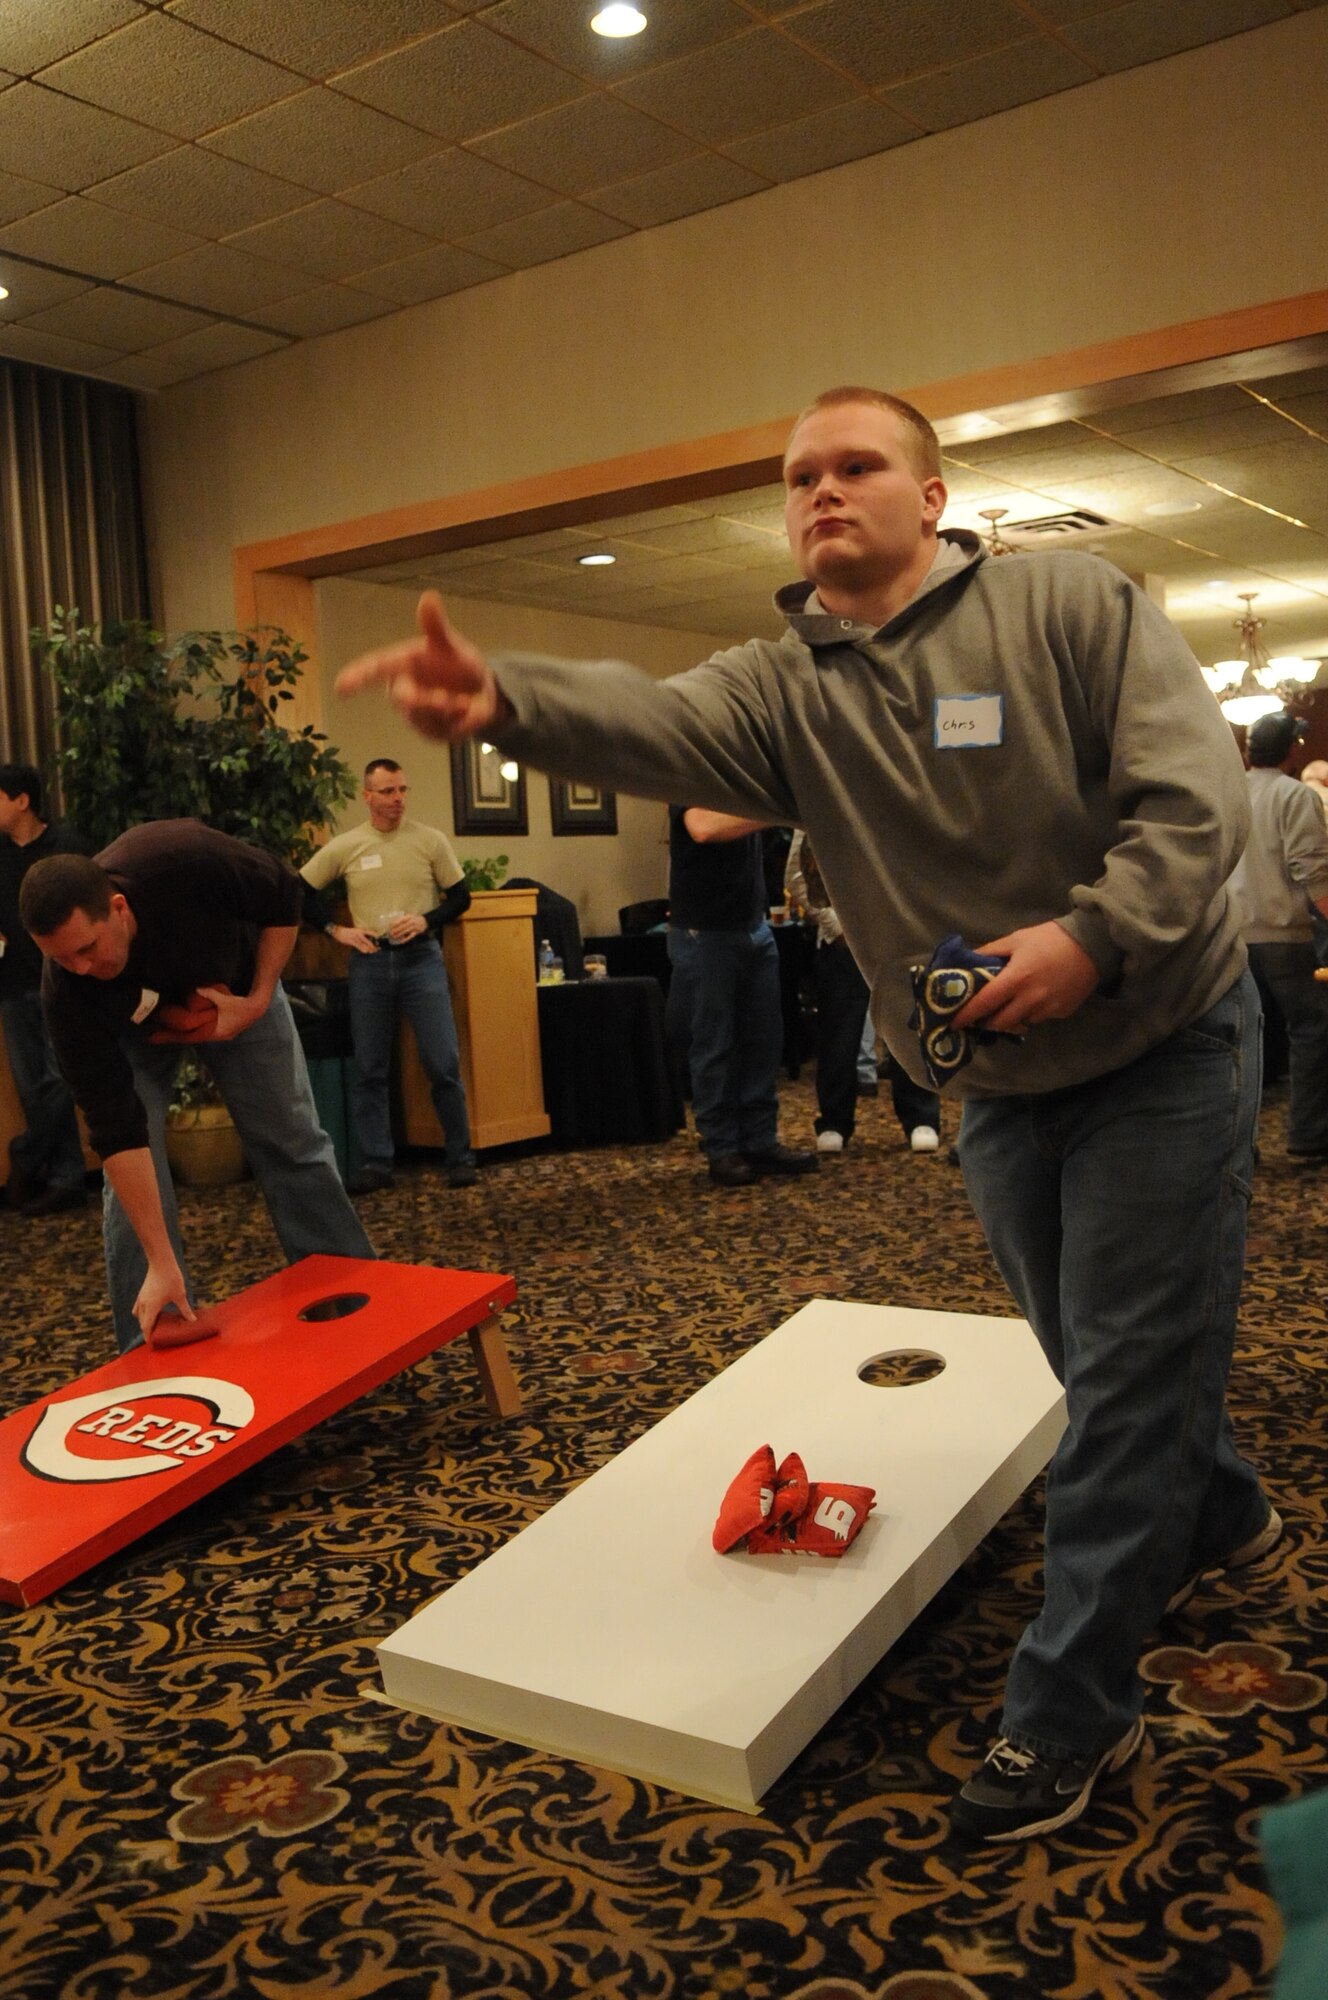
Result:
x=1027 y=739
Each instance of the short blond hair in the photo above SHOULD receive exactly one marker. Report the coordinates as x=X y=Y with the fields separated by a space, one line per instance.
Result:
x=924 y=447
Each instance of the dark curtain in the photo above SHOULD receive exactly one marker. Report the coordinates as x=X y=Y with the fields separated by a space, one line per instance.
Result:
x=71 y=530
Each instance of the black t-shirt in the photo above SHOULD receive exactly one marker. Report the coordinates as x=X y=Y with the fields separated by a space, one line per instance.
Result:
x=199 y=899
x=714 y=885
x=21 y=965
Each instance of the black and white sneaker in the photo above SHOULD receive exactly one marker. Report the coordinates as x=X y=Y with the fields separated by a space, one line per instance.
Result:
x=1017 y=1794
x=1254 y=1550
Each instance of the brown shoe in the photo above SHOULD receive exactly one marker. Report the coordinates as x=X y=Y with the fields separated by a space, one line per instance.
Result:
x=731 y=1170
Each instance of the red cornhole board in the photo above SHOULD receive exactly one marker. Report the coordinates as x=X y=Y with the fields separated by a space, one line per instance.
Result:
x=92 y=1467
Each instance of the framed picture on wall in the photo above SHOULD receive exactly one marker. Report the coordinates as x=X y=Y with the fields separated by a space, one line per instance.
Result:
x=578 y=808
x=488 y=790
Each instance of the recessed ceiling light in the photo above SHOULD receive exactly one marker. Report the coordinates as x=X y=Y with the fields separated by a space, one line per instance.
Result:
x=1218 y=583
x=618 y=21
x=1164 y=507
x=596 y=562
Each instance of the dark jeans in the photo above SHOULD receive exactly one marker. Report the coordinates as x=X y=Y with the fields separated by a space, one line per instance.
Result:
x=264 y=1084
x=50 y=1149
x=1116 y=1211
x=725 y=988
x=841 y=1011
x=1287 y=970
x=410 y=979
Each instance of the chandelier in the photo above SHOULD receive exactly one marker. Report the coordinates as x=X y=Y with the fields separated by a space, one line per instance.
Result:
x=992 y=540
x=1257 y=685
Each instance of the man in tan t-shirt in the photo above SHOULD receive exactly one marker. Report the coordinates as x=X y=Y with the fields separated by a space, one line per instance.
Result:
x=403 y=883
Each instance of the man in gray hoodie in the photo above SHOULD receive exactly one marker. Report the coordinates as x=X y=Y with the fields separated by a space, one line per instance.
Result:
x=1024 y=752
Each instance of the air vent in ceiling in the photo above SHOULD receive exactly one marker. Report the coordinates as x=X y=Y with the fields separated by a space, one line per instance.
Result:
x=1077 y=524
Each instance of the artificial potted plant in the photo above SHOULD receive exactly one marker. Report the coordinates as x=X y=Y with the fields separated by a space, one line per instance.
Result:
x=150 y=728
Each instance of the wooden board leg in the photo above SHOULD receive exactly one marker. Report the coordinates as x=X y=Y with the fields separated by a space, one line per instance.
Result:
x=501 y=1394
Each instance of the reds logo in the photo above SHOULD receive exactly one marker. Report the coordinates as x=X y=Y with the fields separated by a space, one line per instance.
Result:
x=132 y=1416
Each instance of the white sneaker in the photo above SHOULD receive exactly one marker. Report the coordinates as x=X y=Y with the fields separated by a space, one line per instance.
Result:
x=924 y=1139
x=829 y=1142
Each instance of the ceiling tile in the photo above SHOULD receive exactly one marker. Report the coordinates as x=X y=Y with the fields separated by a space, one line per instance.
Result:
x=886 y=41
x=990 y=83
x=201 y=191
x=1061 y=12
x=84 y=236
x=314 y=37
x=1309 y=410
x=449 y=194
x=323 y=141
x=553 y=232
x=76 y=143
x=826 y=139
x=218 y=279
x=759 y=79
x=174 y=77
x=1300 y=382
x=117 y=319
x=217 y=347
x=431 y=275
x=139 y=371
x=583 y=145
x=20 y=197
x=1288 y=476
x=1235 y=430
x=329 y=240
x=562 y=33
x=34 y=36
x=705 y=181
x=1222 y=399
x=713 y=535
x=461 y=82
x=51 y=350
x=31 y=289
x=1147 y=29
x=325 y=310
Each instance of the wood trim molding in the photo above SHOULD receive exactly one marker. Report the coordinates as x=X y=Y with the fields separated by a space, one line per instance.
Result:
x=274 y=576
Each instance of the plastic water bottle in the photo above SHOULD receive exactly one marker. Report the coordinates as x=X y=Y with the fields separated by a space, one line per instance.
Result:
x=545 y=962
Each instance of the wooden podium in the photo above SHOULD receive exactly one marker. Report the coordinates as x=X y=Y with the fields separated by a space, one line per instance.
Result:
x=491 y=968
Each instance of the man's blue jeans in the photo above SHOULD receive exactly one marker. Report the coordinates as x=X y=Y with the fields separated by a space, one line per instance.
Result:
x=1116 y=1211
x=50 y=1149
x=725 y=987
x=1287 y=971
x=410 y=979
x=263 y=1079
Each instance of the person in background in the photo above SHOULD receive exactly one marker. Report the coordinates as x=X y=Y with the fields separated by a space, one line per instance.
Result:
x=724 y=994
x=176 y=916
x=842 y=1004
x=46 y=1160
x=1315 y=775
x=403 y=883
x=1280 y=882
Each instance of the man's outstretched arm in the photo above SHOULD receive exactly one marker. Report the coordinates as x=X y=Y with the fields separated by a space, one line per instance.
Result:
x=440 y=680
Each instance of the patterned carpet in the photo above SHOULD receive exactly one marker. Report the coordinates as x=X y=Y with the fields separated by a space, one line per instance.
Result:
x=201 y=1797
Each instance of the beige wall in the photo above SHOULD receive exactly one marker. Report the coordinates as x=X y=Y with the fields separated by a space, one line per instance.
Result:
x=1170 y=193
x=598 y=871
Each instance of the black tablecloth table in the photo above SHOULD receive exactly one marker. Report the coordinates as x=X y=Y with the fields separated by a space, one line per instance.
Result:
x=607 y=1075
x=648 y=952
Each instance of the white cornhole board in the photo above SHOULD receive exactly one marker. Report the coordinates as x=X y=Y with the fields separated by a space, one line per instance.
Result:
x=610 y=1631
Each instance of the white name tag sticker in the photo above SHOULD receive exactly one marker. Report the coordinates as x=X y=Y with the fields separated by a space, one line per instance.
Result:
x=147 y=1001
x=368 y=861
x=969 y=721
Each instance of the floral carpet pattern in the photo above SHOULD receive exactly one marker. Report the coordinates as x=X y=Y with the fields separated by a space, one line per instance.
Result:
x=201 y=1794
